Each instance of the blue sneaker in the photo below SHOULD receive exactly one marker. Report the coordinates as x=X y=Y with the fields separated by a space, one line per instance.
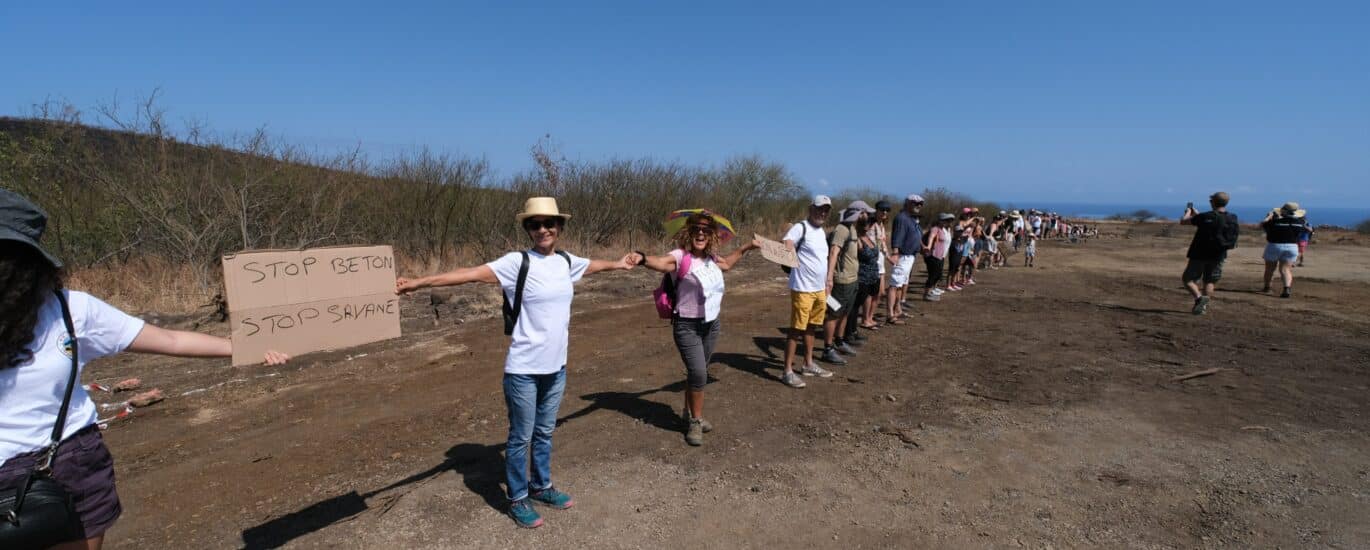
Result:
x=553 y=498
x=524 y=514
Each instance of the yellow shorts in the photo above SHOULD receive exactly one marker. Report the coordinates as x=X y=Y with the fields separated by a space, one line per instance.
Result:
x=807 y=309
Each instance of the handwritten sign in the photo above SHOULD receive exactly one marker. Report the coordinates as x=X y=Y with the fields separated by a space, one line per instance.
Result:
x=777 y=252
x=299 y=301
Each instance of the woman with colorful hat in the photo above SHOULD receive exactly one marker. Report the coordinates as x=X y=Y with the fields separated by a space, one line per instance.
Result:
x=48 y=428
x=696 y=270
x=539 y=323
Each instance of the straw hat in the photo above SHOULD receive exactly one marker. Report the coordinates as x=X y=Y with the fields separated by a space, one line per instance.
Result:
x=1292 y=209
x=541 y=206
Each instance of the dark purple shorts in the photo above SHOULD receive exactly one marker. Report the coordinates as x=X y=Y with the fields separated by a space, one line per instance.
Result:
x=86 y=470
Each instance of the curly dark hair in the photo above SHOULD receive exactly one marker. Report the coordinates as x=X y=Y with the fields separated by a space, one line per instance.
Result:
x=685 y=242
x=27 y=279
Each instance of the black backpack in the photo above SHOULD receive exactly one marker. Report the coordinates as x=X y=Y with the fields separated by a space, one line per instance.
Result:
x=1225 y=237
x=511 y=312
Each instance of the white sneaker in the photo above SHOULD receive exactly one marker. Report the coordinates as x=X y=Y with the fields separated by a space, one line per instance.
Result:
x=813 y=369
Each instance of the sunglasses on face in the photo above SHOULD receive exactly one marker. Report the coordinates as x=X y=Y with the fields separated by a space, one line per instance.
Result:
x=885 y=210
x=701 y=230
x=545 y=223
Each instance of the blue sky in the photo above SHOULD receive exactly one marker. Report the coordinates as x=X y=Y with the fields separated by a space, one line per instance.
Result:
x=1088 y=101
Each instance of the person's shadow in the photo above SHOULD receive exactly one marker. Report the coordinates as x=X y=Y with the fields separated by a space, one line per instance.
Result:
x=634 y=406
x=481 y=468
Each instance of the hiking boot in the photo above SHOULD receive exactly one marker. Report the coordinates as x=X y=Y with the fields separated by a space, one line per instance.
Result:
x=1285 y=294
x=685 y=415
x=1200 y=305
x=553 y=498
x=524 y=515
x=812 y=369
x=694 y=435
x=845 y=348
x=792 y=380
x=1265 y=289
x=831 y=356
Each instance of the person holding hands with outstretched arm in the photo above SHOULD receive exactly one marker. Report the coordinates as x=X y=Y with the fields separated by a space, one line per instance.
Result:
x=808 y=290
x=50 y=443
x=539 y=283
x=697 y=301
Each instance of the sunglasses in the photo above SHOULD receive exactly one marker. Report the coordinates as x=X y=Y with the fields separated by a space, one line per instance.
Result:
x=545 y=223
x=701 y=230
x=882 y=210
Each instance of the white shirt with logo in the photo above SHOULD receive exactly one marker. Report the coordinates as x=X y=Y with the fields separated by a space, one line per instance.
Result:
x=812 y=273
x=542 y=332
x=31 y=393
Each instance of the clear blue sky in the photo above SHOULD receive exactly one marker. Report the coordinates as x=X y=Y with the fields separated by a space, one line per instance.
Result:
x=1088 y=101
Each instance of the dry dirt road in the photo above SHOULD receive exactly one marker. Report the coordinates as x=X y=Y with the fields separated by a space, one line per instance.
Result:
x=1036 y=409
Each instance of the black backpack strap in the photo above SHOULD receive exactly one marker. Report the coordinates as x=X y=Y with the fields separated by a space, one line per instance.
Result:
x=564 y=256
x=511 y=312
x=45 y=465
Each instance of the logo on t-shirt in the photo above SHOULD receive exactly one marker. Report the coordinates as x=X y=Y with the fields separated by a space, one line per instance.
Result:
x=64 y=343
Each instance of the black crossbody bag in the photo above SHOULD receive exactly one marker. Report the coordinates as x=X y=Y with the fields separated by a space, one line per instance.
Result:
x=38 y=513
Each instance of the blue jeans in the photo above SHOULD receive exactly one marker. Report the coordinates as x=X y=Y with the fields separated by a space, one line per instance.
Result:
x=533 y=400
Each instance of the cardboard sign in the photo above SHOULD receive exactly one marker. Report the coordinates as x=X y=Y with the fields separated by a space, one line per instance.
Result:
x=298 y=301
x=777 y=252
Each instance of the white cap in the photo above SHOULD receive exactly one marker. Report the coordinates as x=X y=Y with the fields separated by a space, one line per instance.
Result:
x=913 y=198
x=822 y=200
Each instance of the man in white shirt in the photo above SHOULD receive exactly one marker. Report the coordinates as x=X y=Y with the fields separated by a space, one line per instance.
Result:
x=809 y=284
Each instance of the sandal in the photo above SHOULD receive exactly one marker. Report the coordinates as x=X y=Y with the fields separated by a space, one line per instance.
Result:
x=872 y=326
x=895 y=322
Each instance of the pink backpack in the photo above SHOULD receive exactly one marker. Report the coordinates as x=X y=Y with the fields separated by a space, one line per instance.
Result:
x=665 y=295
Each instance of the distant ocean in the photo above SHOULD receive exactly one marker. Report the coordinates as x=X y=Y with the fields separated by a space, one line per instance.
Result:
x=1343 y=217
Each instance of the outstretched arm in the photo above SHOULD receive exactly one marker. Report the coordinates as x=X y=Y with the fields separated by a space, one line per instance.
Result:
x=661 y=264
x=726 y=263
x=622 y=264
x=181 y=343
x=460 y=276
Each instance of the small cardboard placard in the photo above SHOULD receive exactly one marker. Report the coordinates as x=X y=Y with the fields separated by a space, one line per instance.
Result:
x=777 y=252
x=299 y=301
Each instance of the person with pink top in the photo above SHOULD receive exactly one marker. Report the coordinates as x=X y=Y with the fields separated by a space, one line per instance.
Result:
x=698 y=282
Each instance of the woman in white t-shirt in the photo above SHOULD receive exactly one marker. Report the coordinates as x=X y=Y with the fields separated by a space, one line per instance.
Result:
x=535 y=368
x=698 y=299
x=35 y=366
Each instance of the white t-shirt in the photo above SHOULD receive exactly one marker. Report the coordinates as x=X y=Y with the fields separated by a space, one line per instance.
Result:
x=812 y=273
x=31 y=393
x=700 y=289
x=543 y=328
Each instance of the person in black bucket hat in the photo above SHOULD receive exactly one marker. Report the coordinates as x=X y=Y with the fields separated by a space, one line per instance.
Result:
x=37 y=357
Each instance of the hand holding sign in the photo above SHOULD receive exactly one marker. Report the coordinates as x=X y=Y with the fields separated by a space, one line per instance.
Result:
x=777 y=252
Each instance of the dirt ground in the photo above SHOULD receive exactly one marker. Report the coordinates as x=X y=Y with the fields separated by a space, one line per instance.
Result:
x=1036 y=409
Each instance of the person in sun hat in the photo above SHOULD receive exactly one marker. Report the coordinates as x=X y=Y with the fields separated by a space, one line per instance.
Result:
x=906 y=242
x=809 y=286
x=1283 y=226
x=698 y=300
x=535 y=367
x=37 y=353
x=844 y=244
x=1217 y=233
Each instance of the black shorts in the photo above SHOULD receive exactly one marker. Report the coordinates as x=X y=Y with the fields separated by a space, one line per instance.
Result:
x=1210 y=271
x=845 y=294
x=84 y=468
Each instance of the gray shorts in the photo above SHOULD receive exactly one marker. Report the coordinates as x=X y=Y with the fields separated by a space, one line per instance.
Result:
x=695 y=340
x=1210 y=271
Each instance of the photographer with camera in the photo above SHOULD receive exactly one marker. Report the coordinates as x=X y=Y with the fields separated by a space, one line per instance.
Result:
x=1216 y=234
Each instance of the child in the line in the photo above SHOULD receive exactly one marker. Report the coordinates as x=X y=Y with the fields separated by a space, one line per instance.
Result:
x=1030 y=253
